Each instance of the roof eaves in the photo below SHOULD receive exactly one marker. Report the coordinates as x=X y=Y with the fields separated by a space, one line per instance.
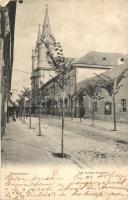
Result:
x=93 y=66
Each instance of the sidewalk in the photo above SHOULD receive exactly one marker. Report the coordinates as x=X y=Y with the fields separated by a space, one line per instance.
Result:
x=86 y=146
x=104 y=128
x=22 y=146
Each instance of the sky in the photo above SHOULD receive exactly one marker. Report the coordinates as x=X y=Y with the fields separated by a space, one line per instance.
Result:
x=79 y=25
x=3 y=2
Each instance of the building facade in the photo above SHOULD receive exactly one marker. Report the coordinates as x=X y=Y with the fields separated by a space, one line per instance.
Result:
x=7 y=27
x=78 y=104
x=103 y=108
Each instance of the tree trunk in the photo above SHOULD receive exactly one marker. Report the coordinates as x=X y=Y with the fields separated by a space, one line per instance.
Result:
x=114 y=112
x=62 y=137
x=71 y=109
x=30 y=114
x=80 y=112
x=93 y=114
x=39 y=121
x=24 y=112
x=20 y=112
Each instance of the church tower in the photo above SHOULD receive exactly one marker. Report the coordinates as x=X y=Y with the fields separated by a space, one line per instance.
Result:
x=44 y=70
x=46 y=27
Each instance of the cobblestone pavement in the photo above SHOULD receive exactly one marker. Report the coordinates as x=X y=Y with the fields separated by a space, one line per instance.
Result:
x=86 y=146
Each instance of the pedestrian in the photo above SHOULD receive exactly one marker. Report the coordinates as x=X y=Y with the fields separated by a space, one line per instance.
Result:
x=26 y=115
x=17 y=109
x=26 y=112
x=11 y=108
x=14 y=112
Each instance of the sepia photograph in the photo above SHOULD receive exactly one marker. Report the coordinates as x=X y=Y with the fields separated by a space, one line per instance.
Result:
x=64 y=96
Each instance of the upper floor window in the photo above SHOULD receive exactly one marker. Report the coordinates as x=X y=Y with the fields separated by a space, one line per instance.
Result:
x=123 y=105
x=122 y=59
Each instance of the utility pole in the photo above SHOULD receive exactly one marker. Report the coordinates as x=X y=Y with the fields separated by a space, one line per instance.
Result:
x=62 y=136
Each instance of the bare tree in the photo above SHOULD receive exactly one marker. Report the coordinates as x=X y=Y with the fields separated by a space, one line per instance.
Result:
x=112 y=87
x=25 y=93
x=60 y=65
x=93 y=91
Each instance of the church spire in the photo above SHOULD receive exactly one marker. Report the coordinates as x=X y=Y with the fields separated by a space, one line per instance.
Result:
x=39 y=35
x=46 y=26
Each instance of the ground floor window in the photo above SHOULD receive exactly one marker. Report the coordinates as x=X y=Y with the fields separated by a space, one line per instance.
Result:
x=107 y=108
x=123 y=105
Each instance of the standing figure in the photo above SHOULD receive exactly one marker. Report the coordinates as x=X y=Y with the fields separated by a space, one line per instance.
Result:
x=11 y=108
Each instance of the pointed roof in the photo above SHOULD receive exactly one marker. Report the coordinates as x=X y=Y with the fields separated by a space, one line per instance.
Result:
x=39 y=35
x=46 y=26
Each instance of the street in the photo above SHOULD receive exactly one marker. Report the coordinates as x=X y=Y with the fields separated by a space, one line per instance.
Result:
x=84 y=145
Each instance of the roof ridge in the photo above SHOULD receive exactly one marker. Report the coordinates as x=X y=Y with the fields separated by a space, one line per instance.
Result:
x=101 y=58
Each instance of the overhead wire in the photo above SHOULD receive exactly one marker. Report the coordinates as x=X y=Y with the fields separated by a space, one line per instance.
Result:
x=21 y=71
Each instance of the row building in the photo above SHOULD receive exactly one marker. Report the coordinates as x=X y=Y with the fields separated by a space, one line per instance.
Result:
x=7 y=28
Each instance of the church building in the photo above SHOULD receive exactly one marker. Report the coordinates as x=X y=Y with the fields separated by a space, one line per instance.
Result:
x=42 y=68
